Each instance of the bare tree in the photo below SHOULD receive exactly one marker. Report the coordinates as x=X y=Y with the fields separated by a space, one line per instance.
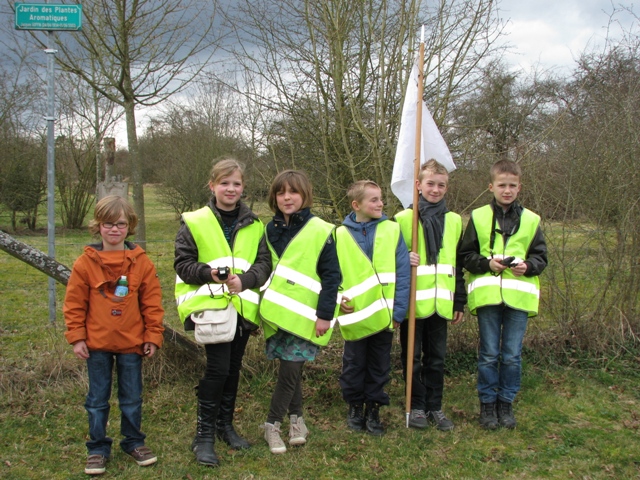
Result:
x=335 y=73
x=22 y=160
x=185 y=140
x=143 y=51
x=254 y=120
x=600 y=146
x=507 y=116
x=84 y=119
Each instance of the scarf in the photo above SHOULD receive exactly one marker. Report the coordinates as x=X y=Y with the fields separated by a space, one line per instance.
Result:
x=432 y=218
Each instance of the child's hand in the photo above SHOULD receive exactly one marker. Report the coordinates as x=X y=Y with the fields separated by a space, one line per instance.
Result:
x=496 y=266
x=234 y=284
x=414 y=259
x=80 y=350
x=396 y=325
x=519 y=270
x=457 y=318
x=149 y=349
x=214 y=275
x=322 y=326
x=344 y=308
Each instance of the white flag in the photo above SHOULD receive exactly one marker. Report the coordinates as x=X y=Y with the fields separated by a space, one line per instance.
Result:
x=432 y=145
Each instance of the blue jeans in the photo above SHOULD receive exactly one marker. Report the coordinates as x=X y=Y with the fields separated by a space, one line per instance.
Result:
x=129 y=369
x=500 y=357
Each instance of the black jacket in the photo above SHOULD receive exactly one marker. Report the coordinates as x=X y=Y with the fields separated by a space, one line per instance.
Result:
x=328 y=268
x=509 y=222
x=193 y=272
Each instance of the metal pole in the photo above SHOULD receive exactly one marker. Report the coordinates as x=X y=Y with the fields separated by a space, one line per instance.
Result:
x=51 y=171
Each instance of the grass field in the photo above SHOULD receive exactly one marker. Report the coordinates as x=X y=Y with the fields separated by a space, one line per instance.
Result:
x=577 y=419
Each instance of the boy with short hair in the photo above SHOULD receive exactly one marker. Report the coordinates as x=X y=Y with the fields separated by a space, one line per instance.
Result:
x=375 y=296
x=504 y=251
x=108 y=322
x=440 y=293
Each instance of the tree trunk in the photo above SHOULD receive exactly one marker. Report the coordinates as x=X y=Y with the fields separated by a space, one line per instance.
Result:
x=34 y=257
x=136 y=173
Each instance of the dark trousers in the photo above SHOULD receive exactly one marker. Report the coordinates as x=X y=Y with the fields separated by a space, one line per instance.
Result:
x=428 y=361
x=288 y=393
x=224 y=360
x=366 y=365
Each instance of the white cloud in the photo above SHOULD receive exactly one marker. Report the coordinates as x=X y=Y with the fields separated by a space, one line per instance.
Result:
x=553 y=33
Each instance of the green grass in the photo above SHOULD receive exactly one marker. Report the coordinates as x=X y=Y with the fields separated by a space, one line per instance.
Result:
x=577 y=419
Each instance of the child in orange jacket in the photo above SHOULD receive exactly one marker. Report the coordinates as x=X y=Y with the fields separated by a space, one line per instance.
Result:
x=109 y=322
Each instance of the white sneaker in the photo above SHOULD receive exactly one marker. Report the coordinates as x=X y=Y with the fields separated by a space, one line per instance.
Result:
x=272 y=436
x=298 y=431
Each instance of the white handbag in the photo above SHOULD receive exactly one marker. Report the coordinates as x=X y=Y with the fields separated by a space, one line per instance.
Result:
x=215 y=326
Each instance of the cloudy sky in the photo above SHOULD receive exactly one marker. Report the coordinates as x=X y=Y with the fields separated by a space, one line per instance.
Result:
x=553 y=33
x=546 y=34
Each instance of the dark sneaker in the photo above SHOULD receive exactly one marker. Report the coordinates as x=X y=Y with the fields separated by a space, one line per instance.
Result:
x=143 y=456
x=96 y=465
x=418 y=419
x=438 y=418
x=488 y=416
x=506 y=418
x=355 y=417
x=373 y=424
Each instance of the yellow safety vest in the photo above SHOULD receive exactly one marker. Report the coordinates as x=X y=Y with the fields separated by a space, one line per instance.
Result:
x=369 y=284
x=520 y=293
x=290 y=299
x=214 y=250
x=435 y=284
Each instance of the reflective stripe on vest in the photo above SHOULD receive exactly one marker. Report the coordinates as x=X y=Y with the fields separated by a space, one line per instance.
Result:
x=435 y=284
x=214 y=250
x=290 y=299
x=369 y=284
x=521 y=293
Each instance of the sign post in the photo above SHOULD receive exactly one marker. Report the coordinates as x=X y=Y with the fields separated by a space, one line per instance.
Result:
x=49 y=17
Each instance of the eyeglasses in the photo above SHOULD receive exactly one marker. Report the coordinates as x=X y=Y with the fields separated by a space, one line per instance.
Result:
x=120 y=225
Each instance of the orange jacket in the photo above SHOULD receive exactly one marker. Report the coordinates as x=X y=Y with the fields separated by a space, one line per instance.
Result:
x=105 y=322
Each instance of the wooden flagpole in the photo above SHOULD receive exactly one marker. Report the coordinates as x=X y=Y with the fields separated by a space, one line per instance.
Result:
x=414 y=234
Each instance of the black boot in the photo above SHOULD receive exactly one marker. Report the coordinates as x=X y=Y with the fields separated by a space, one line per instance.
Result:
x=224 y=423
x=506 y=418
x=373 y=423
x=488 y=416
x=355 y=417
x=208 y=403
